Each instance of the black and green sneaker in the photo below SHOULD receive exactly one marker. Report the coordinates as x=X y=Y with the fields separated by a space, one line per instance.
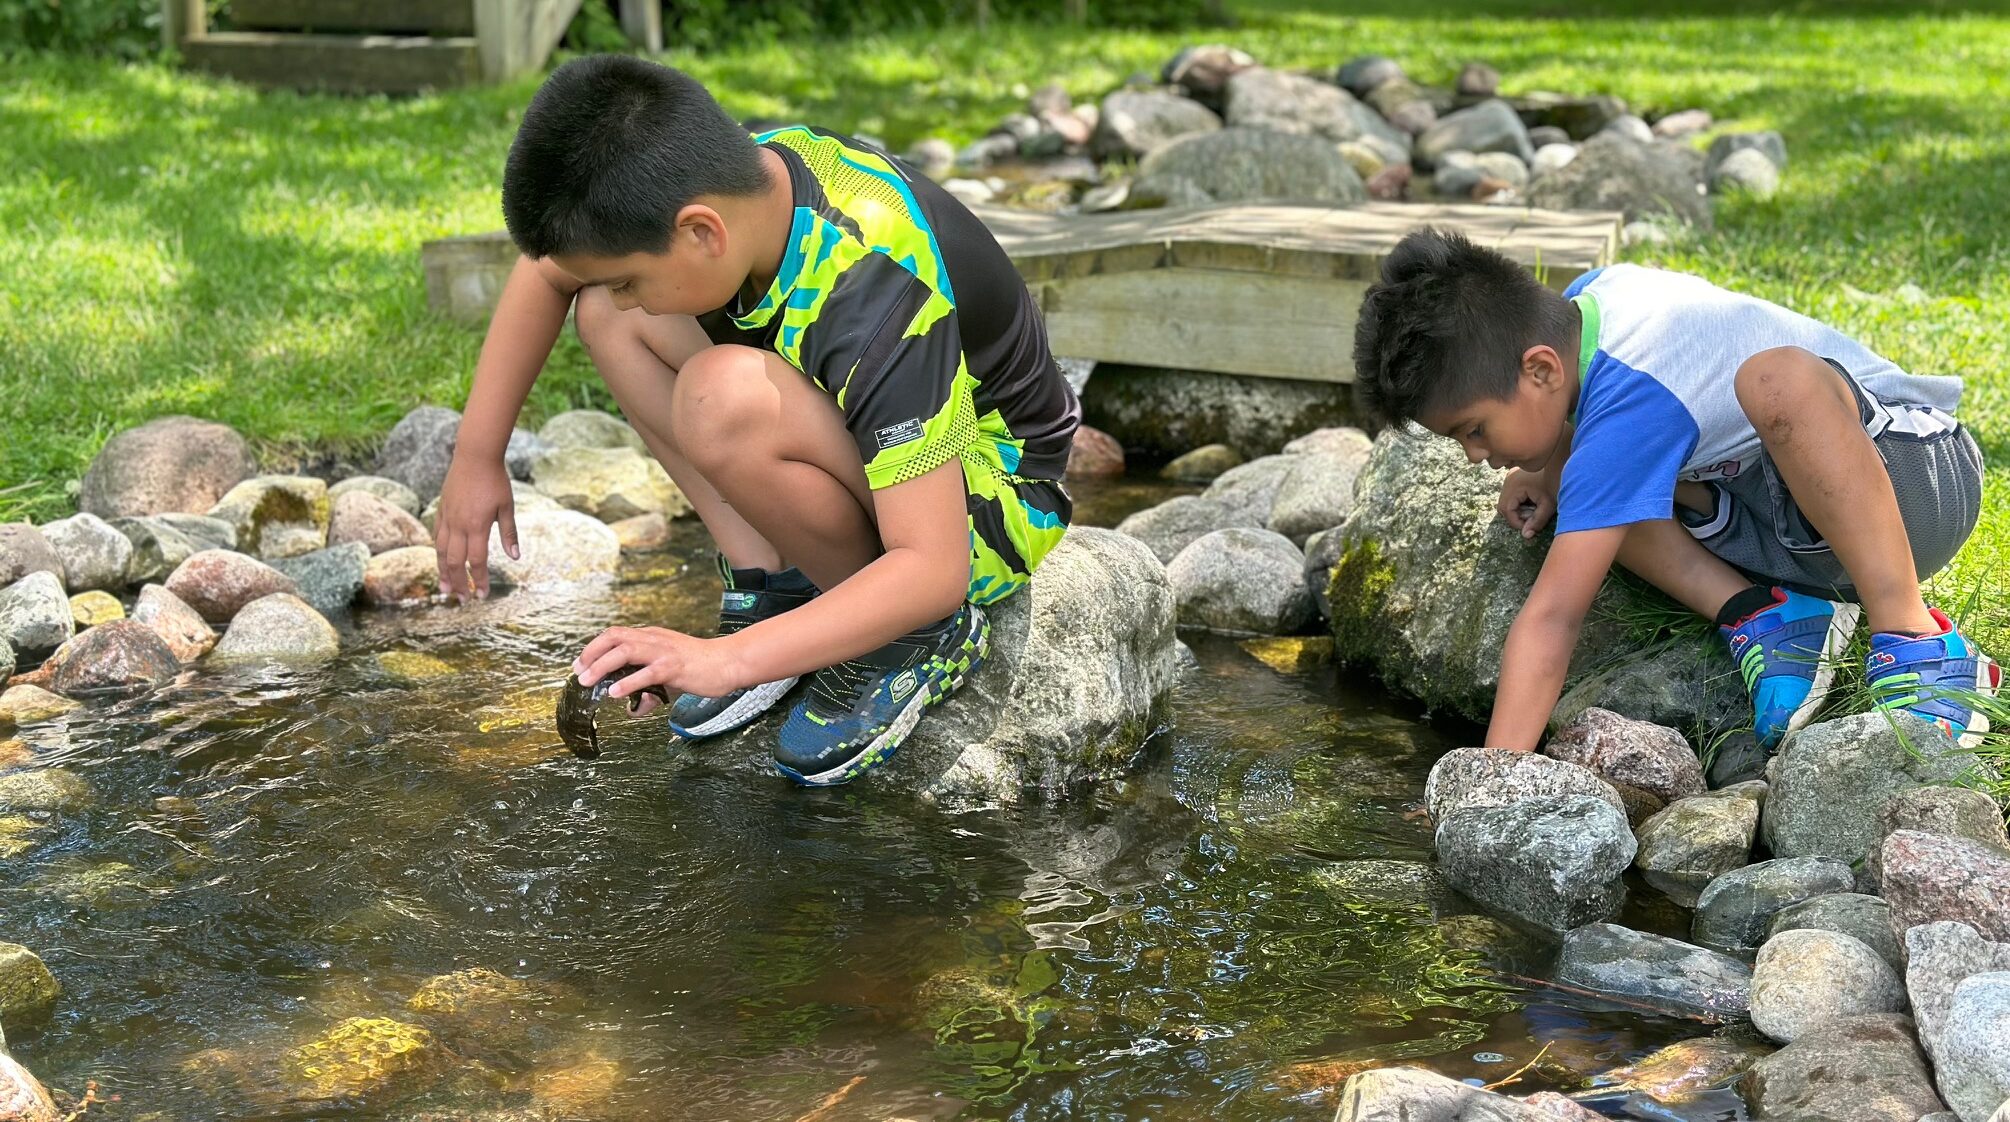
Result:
x=751 y=596
x=857 y=712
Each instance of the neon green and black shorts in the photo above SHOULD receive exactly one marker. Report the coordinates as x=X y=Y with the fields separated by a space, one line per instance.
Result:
x=1014 y=523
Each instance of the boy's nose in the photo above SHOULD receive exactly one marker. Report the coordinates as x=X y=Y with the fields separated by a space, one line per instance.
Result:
x=1475 y=454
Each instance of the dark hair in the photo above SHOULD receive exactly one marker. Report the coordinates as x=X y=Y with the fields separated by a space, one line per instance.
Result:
x=1447 y=326
x=610 y=149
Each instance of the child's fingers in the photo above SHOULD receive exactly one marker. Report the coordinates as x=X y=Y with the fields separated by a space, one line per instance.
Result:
x=506 y=522
x=607 y=663
x=450 y=552
x=478 y=562
x=602 y=643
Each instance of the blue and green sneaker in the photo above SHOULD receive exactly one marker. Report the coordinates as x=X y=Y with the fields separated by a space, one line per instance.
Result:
x=1786 y=654
x=857 y=712
x=751 y=595
x=1936 y=677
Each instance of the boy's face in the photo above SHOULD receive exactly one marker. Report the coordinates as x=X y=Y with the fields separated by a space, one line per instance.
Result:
x=1521 y=430
x=695 y=274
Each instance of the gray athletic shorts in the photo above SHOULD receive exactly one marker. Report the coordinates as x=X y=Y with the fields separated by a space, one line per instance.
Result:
x=1935 y=468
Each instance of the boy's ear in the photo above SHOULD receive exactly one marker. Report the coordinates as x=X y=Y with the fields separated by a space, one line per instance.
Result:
x=1542 y=365
x=703 y=225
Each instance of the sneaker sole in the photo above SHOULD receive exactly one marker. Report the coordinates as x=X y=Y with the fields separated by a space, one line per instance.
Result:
x=1841 y=626
x=1988 y=683
x=882 y=747
x=756 y=701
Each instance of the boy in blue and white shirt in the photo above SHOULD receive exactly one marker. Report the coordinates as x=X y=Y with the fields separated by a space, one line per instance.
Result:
x=1763 y=468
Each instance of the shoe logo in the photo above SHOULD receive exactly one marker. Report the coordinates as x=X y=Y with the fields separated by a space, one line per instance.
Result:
x=902 y=685
x=738 y=601
x=1882 y=659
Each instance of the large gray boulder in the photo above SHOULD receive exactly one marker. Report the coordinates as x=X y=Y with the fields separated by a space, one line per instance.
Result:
x=1973 y=1064
x=1408 y=1094
x=168 y=464
x=1941 y=956
x=1241 y=581
x=1483 y=777
x=1081 y=665
x=1317 y=493
x=1830 y=781
x=1261 y=98
x=1238 y=164
x=1490 y=126
x=1693 y=841
x=1429 y=579
x=420 y=448
x=1804 y=977
x=329 y=579
x=1864 y=1069
x=1164 y=412
x=35 y=614
x=1644 y=969
x=1690 y=686
x=1613 y=173
x=1866 y=919
x=94 y=554
x=157 y=547
x=1554 y=861
x=277 y=628
x=1250 y=490
x=1133 y=123
x=1178 y=522
x=1735 y=911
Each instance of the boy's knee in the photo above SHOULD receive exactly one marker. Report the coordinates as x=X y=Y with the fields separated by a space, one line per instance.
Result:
x=722 y=394
x=1777 y=384
x=595 y=317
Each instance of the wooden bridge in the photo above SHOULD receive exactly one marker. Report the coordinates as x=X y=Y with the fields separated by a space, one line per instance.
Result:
x=1260 y=289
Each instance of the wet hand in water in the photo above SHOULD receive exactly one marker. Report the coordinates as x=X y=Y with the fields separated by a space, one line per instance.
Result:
x=673 y=660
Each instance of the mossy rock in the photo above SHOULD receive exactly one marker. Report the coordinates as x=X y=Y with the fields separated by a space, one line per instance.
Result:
x=361 y=1056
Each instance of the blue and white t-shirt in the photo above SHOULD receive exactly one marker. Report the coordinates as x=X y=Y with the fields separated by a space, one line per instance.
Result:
x=1657 y=401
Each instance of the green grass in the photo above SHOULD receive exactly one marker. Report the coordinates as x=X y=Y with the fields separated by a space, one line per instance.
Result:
x=182 y=244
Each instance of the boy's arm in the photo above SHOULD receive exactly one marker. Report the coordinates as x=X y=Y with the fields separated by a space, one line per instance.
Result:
x=476 y=494
x=922 y=577
x=1544 y=634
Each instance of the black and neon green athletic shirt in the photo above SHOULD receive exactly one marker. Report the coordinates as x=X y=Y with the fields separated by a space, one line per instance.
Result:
x=896 y=300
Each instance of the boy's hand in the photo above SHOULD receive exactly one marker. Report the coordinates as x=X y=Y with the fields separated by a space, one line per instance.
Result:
x=1528 y=501
x=475 y=496
x=678 y=662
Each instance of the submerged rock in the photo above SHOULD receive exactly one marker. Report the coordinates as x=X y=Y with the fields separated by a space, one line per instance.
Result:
x=278 y=628
x=1241 y=581
x=1929 y=877
x=1686 y=1068
x=1650 y=757
x=1553 y=860
x=1830 y=781
x=642 y=533
x=25 y=704
x=359 y=1057
x=1407 y=1094
x=168 y=464
x=1736 y=910
x=1694 y=841
x=217 y=583
x=27 y=989
x=44 y=789
x=1654 y=970
x=1866 y=1068
x=1805 y=977
x=1081 y=666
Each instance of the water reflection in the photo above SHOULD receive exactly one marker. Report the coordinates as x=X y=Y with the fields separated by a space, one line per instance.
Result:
x=383 y=889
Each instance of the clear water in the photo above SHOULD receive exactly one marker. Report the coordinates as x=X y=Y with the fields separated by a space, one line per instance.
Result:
x=1223 y=935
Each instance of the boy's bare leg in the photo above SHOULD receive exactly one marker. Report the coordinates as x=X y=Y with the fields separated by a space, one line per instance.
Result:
x=638 y=356
x=1811 y=426
x=1666 y=555
x=776 y=448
